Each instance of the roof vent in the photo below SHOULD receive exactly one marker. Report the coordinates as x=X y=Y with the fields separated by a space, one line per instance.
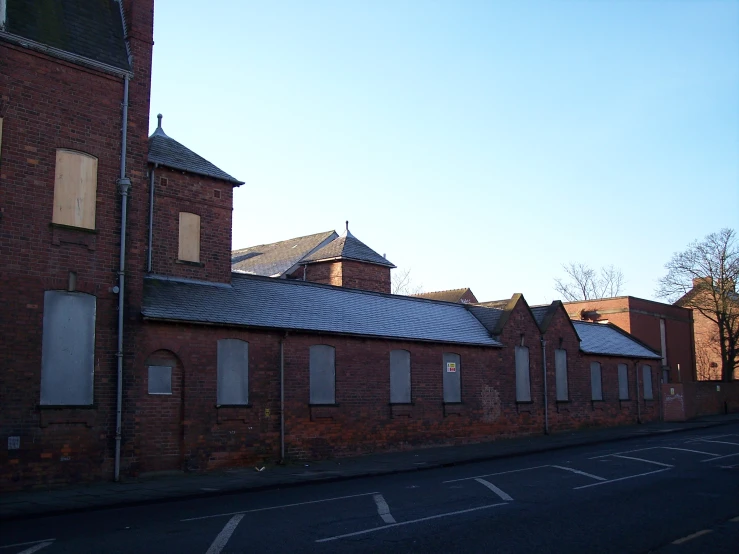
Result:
x=159 y=131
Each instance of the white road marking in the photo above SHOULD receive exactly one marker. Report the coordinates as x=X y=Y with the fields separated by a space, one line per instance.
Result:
x=36 y=548
x=624 y=452
x=224 y=535
x=375 y=529
x=620 y=479
x=492 y=474
x=721 y=442
x=689 y=450
x=693 y=536
x=25 y=543
x=495 y=489
x=643 y=460
x=581 y=473
x=282 y=506
x=735 y=519
x=720 y=457
x=383 y=509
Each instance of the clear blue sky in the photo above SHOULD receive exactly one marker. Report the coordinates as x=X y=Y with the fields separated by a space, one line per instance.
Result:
x=479 y=144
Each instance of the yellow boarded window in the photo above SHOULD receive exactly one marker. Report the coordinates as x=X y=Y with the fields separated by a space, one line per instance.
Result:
x=189 y=237
x=75 y=189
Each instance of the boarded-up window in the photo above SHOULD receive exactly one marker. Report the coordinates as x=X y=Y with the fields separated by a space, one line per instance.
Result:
x=160 y=379
x=523 y=378
x=68 y=348
x=233 y=372
x=560 y=369
x=75 y=189
x=663 y=340
x=322 y=374
x=1 y=137
x=623 y=382
x=647 y=376
x=189 y=250
x=451 y=378
x=400 y=377
x=596 y=384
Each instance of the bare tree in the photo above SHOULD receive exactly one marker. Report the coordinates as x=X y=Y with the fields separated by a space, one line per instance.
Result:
x=402 y=283
x=585 y=283
x=703 y=278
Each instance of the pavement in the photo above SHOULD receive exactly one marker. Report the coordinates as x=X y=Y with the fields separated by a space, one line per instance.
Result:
x=80 y=498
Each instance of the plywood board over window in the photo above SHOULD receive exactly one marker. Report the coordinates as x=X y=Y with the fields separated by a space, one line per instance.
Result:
x=75 y=189
x=189 y=250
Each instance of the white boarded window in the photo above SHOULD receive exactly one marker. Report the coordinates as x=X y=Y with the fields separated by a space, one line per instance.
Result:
x=647 y=376
x=75 y=189
x=523 y=379
x=233 y=372
x=560 y=369
x=663 y=340
x=451 y=379
x=596 y=384
x=400 y=377
x=189 y=245
x=160 y=379
x=67 y=349
x=623 y=382
x=322 y=374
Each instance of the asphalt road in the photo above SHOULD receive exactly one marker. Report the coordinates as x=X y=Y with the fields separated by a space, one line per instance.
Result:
x=673 y=494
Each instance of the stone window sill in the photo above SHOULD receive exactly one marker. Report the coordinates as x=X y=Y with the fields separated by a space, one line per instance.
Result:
x=191 y=264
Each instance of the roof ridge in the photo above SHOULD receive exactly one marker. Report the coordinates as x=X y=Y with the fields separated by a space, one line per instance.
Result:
x=281 y=241
x=440 y=291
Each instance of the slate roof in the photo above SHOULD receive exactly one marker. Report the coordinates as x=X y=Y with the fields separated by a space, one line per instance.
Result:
x=453 y=295
x=166 y=151
x=500 y=304
x=540 y=312
x=489 y=317
x=275 y=259
x=347 y=247
x=91 y=29
x=262 y=302
x=609 y=340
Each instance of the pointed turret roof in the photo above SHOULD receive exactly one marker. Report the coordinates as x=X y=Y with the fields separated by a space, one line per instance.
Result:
x=347 y=247
x=166 y=151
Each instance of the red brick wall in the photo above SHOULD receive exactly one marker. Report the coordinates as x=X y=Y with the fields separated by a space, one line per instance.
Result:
x=711 y=398
x=49 y=104
x=362 y=420
x=350 y=274
x=212 y=200
x=641 y=318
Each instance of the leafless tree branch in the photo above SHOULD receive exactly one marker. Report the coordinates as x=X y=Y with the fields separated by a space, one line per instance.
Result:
x=584 y=283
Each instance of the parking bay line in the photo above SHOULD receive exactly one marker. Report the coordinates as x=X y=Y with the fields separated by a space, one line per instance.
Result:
x=36 y=548
x=643 y=460
x=721 y=442
x=573 y=470
x=624 y=452
x=383 y=509
x=375 y=529
x=26 y=543
x=282 y=506
x=496 y=490
x=720 y=457
x=693 y=536
x=689 y=450
x=220 y=542
x=621 y=479
x=493 y=474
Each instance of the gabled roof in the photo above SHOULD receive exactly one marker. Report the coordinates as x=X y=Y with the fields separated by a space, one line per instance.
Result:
x=453 y=295
x=494 y=314
x=608 y=340
x=500 y=304
x=276 y=259
x=90 y=29
x=166 y=151
x=347 y=247
x=545 y=314
x=262 y=302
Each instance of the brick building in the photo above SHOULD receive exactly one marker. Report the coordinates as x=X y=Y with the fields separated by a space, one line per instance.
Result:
x=463 y=296
x=168 y=352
